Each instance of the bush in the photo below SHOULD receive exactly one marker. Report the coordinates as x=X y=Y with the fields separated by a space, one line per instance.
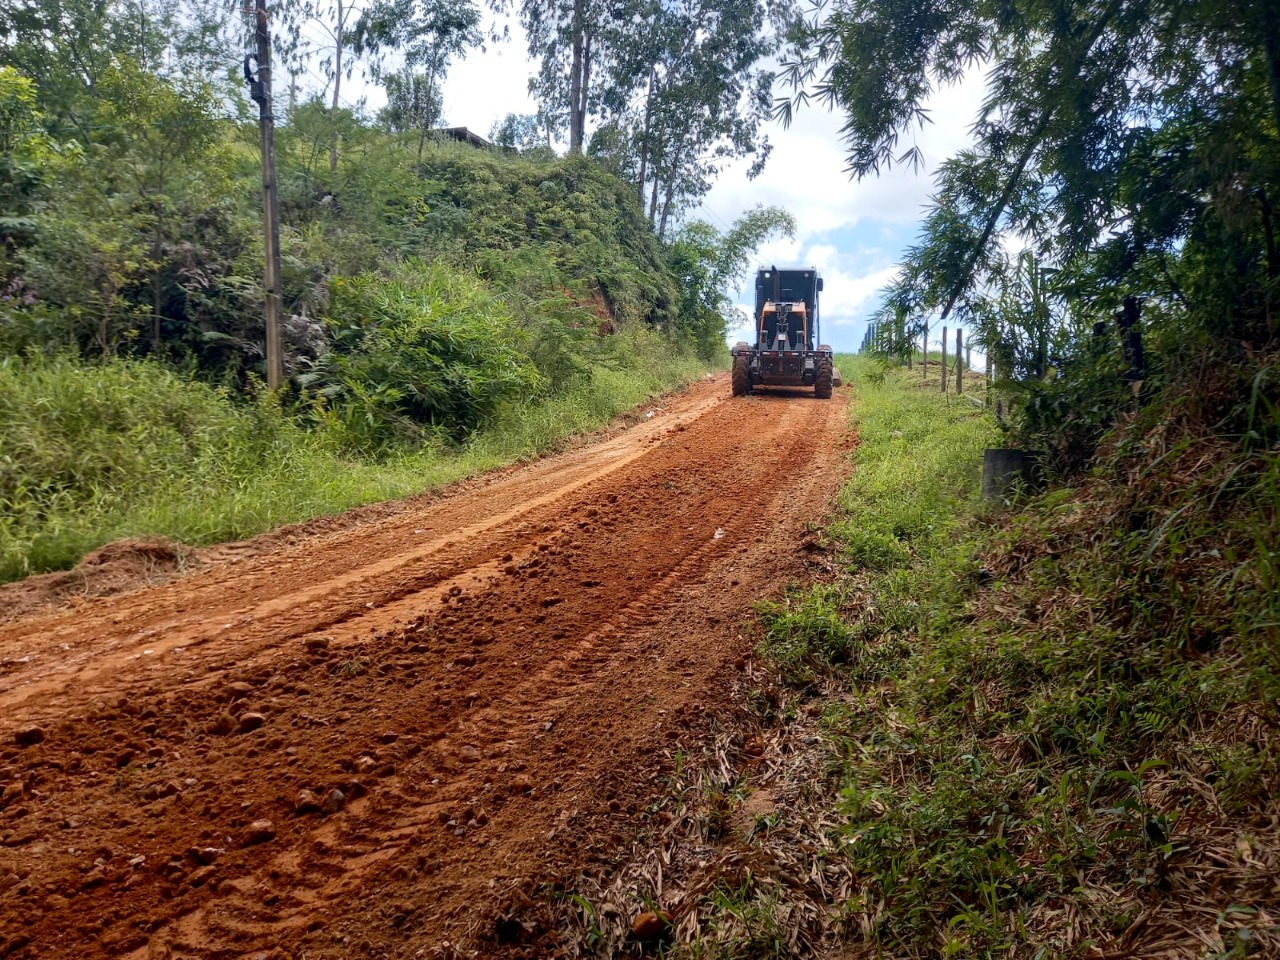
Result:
x=91 y=453
x=78 y=442
x=430 y=352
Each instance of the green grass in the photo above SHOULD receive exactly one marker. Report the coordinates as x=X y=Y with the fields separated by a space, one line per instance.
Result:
x=907 y=504
x=1047 y=725
x=91 y=453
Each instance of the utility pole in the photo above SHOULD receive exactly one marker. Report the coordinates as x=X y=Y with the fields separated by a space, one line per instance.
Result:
x=260 y=91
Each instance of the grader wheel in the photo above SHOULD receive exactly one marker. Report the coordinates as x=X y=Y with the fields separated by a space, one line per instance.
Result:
x=741 y=375
x=822 y=381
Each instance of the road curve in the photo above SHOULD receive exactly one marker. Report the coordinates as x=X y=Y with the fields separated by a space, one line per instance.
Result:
x=471 y=691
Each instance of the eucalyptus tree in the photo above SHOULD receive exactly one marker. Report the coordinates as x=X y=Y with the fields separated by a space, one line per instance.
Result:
x=424 y=33
x=687 y=90
x=414 y=102
x=564 y=36
x=427 y=34
x=336 y=21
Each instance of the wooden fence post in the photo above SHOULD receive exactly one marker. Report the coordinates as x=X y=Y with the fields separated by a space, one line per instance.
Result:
x=944 y=359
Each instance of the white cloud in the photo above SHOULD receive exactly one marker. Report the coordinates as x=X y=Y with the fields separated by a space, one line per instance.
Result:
x=850 y=230
x=806 y=172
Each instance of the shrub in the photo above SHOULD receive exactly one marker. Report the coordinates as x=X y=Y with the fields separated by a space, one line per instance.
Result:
x=430 y=352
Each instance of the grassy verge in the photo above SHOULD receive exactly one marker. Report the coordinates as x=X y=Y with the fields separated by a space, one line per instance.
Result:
x=95 y=453
x=1052 y=734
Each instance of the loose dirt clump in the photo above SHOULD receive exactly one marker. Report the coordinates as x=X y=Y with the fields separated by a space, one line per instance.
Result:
x=111 y=569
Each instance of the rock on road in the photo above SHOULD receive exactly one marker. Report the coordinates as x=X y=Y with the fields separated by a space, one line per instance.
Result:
x=366 y=742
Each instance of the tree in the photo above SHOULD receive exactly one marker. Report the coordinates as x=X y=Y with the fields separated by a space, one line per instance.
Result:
x=428 y=33
x=709 y=263
x=414 y=103
x=521 y=132
x=553 y=27
x=66 y=46
x=337 y=20
x=125 y=205
x=685 y=93
x=1124 y=139
x=24 y=153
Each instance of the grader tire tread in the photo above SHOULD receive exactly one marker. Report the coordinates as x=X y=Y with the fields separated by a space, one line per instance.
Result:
x=741 y=376
x=822 y=381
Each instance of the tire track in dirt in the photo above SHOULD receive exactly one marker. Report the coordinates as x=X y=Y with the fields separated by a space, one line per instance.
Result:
x=484 y=679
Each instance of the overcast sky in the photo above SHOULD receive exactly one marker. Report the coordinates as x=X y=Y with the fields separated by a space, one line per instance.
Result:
x=852 y=232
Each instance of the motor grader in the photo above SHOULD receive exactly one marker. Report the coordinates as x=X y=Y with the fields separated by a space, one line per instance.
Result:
x=787 y=327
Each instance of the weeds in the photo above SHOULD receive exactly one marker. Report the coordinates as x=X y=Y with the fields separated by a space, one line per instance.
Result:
x=349 y=668
x=1043 y=735
x=91 y=453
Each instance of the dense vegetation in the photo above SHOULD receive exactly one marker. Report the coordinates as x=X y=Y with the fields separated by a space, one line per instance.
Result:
x=1126 y=152
x=441 y=302
x=1052 y=731
x=1045 y=732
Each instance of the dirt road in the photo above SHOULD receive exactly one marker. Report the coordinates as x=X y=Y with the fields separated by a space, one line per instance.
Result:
x=389 y=738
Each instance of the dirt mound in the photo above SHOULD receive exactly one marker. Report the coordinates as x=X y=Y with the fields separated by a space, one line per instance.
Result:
x=112 y=568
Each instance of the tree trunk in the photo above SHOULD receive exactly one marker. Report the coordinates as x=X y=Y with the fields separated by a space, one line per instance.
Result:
x=666 y=206
x=644 y=138
x=585 y=92
x=1042 y=348
x=653 y=199
x=575 y=79
x=677 y=153
x=337 y=84
x=1270 y=24
x=155 y=311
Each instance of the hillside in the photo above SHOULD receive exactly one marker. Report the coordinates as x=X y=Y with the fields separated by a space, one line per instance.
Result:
x=447 y=309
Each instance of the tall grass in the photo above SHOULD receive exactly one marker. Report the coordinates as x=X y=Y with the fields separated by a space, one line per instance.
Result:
x=91 y=453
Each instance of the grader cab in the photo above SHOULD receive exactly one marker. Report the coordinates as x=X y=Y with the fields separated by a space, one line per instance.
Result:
x=787 y=327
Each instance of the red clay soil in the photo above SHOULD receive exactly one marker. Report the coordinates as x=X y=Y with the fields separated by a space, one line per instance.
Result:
x=389 y=738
